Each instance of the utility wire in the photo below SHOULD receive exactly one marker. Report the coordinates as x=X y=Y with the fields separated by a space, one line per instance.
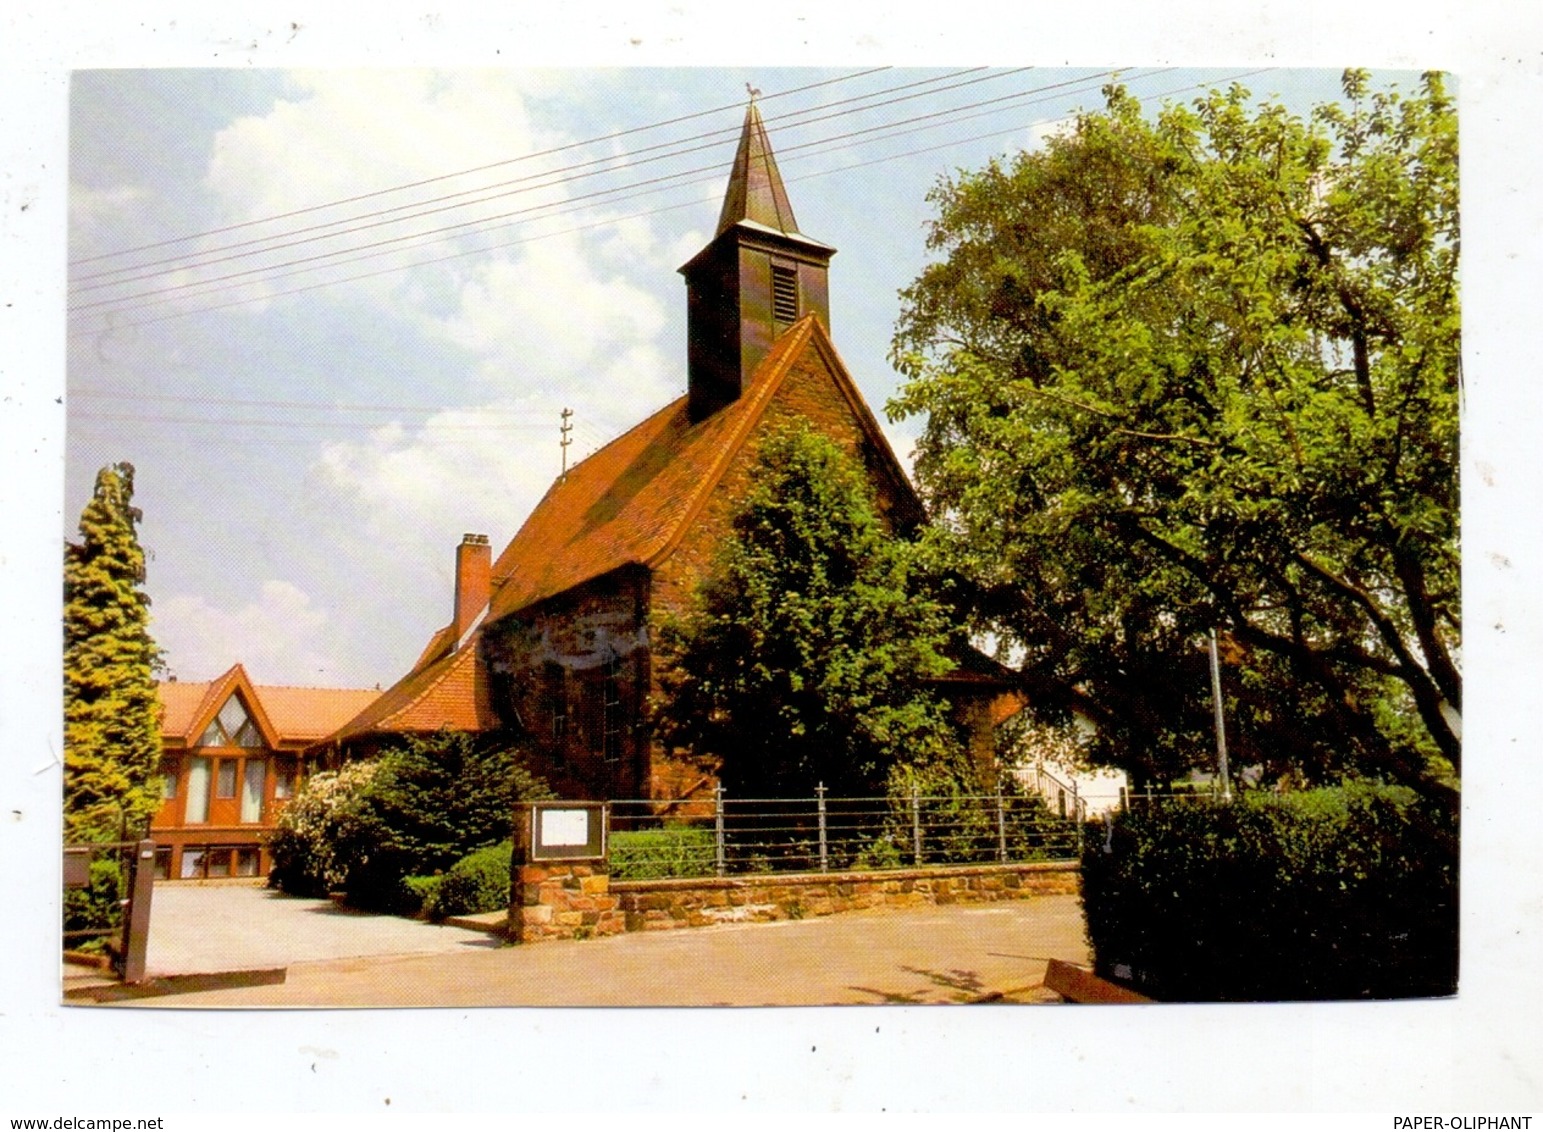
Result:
x=477 y=169
x=553 y=178
x=890 y=129
x=97 y=332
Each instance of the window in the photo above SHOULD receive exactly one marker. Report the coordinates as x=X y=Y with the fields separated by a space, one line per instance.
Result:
x=168 y=779
x=252 y=783
x=611 y=723
x=784 y=294
x=247 y=860
x=162 y=862
x=555 y=692
x=198 y=793
x=225 y=779
x=192 y=861
x=283 y=779
x=217 y=861
x=232 y=727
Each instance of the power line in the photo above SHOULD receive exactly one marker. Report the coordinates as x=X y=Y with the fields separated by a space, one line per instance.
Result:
x=567 y=206
x=891 y=129
x=556 y=177
x=467 y=172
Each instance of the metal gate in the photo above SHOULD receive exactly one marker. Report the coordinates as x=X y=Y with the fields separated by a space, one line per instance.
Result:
x=107 y=888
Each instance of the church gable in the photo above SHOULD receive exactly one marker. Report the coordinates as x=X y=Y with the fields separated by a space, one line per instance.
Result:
x=812 y=387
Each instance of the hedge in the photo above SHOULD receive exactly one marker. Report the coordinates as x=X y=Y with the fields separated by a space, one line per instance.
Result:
x=478 y=882
x=1334 y=893
x=673 y=851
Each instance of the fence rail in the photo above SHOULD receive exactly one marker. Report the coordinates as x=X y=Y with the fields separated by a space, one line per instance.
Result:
x=720 y=835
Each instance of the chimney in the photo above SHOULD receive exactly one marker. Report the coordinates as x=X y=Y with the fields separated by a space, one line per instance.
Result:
x=473 y=580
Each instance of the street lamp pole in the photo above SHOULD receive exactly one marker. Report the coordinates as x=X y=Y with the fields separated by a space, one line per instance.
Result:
x=1221 y=720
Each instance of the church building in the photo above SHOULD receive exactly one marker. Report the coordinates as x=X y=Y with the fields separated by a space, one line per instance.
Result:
x=549 y=642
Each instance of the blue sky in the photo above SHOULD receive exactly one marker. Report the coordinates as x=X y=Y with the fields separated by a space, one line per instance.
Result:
x=312 y=438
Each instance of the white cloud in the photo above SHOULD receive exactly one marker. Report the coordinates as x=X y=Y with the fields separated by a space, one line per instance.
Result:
x=93 y=211
x=274 y=636
x=550 y=322
x=464 y=470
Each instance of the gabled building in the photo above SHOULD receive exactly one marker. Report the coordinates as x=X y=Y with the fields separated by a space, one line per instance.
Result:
x=232 y=753
x=550 y=641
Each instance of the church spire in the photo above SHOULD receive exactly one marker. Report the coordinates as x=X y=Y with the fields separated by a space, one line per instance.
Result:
x=757 y=276
x=756 y=192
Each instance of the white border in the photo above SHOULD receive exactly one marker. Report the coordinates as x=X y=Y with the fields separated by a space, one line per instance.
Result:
x=1479 y=1053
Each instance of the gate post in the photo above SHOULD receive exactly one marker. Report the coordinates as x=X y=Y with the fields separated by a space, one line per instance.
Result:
x=1001 y=828
x=136 y=931
x=819 y=794
x=916 y=824
x=718 y=829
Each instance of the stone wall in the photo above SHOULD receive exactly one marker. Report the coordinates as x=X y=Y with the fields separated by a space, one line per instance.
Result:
x=577 y=901
x=559 y=900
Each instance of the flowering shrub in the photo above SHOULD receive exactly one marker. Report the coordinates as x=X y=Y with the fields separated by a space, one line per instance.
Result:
x=317 y=830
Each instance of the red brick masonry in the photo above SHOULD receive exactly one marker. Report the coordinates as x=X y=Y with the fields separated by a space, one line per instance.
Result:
x=578 y=901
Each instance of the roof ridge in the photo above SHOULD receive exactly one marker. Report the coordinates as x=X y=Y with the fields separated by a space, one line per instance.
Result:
x=779 y=361
x=311 y=688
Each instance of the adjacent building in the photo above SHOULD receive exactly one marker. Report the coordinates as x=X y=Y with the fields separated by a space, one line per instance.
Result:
x=233 y=753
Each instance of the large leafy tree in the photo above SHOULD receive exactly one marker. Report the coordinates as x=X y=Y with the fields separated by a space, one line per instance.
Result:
x=1201 y=371
x=807 y=658
x=111 y=733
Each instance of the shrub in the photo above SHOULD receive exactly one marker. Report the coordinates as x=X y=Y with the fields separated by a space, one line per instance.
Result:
x=425 y=890
x=478 y=882
x=673 y=851
x=958 y=819
x=99 y=904
x=317 y=831
x=416 y=811
x=1339 y=892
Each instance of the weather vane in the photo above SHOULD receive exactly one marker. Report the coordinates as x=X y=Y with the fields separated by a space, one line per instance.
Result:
x=755 y=92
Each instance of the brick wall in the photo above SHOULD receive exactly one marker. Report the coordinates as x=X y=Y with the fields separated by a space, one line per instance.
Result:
x=577 y=902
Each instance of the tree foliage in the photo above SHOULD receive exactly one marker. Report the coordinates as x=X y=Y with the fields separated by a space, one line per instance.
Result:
x=111 y=731
x=1201 y=370
x=806 y=659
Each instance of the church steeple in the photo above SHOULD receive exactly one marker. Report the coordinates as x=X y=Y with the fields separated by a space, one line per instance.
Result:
x=758 y=275
x=756 y=191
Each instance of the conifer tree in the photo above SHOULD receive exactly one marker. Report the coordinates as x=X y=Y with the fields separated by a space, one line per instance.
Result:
x=111 y=745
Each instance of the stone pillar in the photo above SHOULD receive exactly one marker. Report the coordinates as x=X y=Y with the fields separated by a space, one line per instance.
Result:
x=558 y=899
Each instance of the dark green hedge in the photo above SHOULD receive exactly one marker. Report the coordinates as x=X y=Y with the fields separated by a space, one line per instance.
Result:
x=673 y=851
x=1334 y=893
x=478 y=882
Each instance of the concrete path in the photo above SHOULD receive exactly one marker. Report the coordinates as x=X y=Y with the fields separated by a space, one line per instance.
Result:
x=198 y=929
x=952 y=954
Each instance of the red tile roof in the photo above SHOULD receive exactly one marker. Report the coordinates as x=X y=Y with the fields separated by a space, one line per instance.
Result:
x=450 y=692
x=283 y=714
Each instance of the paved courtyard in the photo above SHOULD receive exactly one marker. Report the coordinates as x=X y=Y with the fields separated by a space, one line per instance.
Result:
x=952 y=954
x=199 y=929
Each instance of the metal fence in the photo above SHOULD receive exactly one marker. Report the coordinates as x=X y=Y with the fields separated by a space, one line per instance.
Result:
x=718 y=835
